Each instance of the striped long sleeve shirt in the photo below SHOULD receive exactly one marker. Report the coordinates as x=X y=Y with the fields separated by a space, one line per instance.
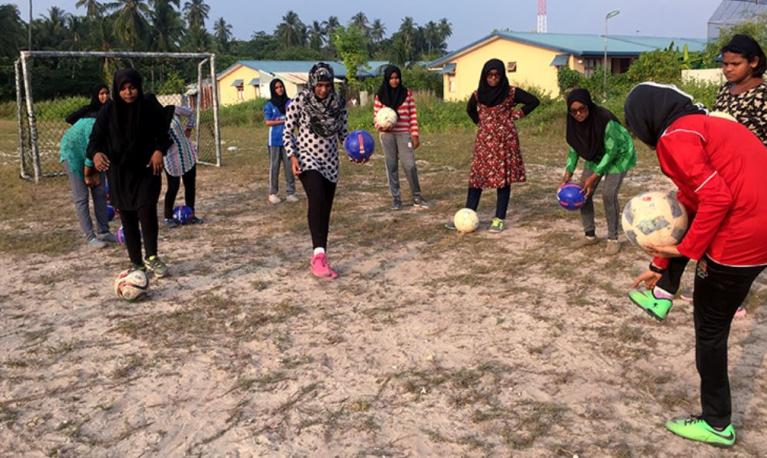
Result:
x=407 y=116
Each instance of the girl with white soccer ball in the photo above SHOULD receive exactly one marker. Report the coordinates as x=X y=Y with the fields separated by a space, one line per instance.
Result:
x=718 y=167
x=396 y=118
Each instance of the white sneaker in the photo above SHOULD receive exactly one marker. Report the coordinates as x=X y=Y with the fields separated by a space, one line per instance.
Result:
x=107 y=237
x=291 y=198
x=274 y=199
x=96 y=243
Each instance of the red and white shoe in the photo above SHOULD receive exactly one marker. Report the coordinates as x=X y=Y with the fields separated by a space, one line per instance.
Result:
x=321 y=268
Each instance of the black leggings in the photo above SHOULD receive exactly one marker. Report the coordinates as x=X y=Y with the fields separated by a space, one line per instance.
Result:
x=190 y=177
x=320 y=193
x=501 y=205
x=719 y=291
x=147 y=216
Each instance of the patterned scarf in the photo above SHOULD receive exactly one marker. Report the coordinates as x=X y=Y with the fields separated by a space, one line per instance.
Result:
x=325 y=114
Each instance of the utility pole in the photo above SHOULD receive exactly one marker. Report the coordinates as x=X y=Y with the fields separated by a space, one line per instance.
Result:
x=609 y=15
x=29 y=29
x=542 y=17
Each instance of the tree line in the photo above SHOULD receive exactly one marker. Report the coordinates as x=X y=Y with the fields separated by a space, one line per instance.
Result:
x=173 y=25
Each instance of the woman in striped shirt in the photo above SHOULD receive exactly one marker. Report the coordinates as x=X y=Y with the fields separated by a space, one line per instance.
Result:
x=400 y=140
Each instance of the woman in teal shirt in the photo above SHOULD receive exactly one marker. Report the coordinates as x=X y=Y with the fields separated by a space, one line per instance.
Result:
x=596 y=135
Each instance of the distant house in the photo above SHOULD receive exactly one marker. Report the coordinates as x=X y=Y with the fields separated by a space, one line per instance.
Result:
x=249 y=79
x=532 y=59
x=733 y=12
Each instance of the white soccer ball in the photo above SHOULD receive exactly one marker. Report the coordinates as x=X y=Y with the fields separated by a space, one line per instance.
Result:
x=466 y=220
x=654 y=218
x=386 y=118
x=131 y=284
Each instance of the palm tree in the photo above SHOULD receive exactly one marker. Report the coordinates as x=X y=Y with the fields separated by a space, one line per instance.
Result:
x=377 y=31
x=195 y=13
x=360 y=20
x=317 y=35
x=223 y=33
x=93 y=8
x=131 y=25
x=291 y=31
x=167 y=27
x=13 y=31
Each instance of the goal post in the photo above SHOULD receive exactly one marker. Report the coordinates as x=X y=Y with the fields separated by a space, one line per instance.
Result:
x=47 y=80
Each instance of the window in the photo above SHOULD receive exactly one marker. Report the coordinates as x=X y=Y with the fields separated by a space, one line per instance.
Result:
x=241 y=92
x=451 y=83
x=511 y=67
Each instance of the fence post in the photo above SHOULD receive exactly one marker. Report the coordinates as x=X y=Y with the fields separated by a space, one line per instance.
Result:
x=31 y=116
x=19 y=117
x=198 y=104
x=216 y=127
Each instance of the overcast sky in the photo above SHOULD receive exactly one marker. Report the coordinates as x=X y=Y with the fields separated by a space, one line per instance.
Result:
x=471 y=19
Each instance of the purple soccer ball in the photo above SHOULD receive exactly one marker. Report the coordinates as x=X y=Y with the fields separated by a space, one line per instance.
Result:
x=182 y=214
x=570 y=196
x=359 y=145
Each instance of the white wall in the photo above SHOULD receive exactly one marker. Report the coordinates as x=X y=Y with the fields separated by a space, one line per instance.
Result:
x=706 y=75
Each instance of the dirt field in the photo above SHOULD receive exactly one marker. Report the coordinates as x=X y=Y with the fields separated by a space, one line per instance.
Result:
x=429 y=343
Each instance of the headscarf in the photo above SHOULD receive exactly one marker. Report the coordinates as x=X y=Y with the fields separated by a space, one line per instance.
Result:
x=488 y=95
x=90 y=110
x=651 y=107
x=388 y=95
x=325 y=114
x=126 y=117
x=587 y=138
x=749 y=48
x=279 y=101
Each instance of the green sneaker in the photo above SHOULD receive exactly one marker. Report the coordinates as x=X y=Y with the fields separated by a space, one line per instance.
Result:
x=656 y=307
x=697 y=429
x=155 y=265
x=497 y=225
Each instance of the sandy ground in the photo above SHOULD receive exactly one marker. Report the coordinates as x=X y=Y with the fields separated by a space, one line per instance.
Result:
x=429 y=344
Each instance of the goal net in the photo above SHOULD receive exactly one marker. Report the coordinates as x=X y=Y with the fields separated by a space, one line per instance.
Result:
x=52 y=84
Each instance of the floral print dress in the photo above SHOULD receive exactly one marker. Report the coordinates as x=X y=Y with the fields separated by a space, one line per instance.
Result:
x=749 y=108
x=497 y=158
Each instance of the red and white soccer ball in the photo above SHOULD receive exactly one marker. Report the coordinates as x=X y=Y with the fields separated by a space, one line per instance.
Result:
x=131 y=285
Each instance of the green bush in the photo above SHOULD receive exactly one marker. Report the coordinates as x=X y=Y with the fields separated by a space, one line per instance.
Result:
x=250 y=113
x=568 y=78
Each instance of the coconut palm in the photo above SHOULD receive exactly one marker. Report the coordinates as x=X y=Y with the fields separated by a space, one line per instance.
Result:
x=167 y=26
x=291 y=31
x=130 y=24
x=223 y=34
x=93 y=8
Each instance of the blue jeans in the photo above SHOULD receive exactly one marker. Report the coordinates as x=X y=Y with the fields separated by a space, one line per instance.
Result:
x=80 y=199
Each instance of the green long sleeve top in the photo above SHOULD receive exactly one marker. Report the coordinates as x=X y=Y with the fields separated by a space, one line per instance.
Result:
x=620 y=155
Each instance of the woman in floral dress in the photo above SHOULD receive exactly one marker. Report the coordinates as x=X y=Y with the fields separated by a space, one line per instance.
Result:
x=497 y=161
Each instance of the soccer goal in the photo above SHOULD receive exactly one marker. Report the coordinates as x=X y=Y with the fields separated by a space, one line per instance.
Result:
x=52 y=84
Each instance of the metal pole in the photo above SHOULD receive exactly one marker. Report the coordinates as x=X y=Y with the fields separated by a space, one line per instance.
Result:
x=197 y=114
x=31 y=116
x=216 y=127
x=604 y=64
x=19 y=118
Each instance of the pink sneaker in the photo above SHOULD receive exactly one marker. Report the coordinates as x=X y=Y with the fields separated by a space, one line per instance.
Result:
x=741 y=312
x=321 y=268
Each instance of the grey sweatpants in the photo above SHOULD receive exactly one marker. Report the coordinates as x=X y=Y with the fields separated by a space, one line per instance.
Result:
x=397 y=146
x=80 y=199
x=277 y=156
x=612 y=184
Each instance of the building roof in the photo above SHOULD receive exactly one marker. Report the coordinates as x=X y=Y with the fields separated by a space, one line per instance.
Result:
x=732 y=12
x=373 y=68
x=583 y=44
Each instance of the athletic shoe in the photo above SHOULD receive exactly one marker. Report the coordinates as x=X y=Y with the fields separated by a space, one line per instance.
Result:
x=136 y=267
x=697 y=429
x=497 y=225
x=741 y=312
x=194 y=220
x=613 y=247
x=107 y=237
x=155 y=265
x=582 y=242
x=656 y=307
x=291 y=198
x=419 y=201
x=95 y=243
x=321 y=268
x=396 y=204
x=274 y=199
x=169 y=223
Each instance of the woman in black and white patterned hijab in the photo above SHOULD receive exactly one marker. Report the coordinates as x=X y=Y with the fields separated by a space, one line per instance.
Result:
x=324 y=104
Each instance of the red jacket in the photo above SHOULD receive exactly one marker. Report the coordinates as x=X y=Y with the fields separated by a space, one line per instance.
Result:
x=720 y=168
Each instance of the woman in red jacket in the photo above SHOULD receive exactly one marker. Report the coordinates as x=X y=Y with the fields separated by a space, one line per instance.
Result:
x=718 y=166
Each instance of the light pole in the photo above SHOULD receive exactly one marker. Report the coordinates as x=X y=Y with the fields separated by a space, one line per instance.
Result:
x=29 y=29
x=609 y=15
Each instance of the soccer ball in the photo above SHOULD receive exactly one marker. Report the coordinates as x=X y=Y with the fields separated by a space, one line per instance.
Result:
x=570 y=196
x=182 y=214
x=359 y=145
x=110 y=212
x=131 y=284
x=386 y=118
x=466 y=220
x=654 y=218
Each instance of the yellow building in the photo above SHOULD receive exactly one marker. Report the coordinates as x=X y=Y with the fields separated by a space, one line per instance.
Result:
x=532 y=59
x=249 y=79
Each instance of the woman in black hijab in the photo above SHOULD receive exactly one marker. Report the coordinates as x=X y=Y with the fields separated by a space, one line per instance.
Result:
x=99 y=96
x=128 y=141
x=400 y=140
x=596 y=135
x=718 y=167
x=497 y=161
